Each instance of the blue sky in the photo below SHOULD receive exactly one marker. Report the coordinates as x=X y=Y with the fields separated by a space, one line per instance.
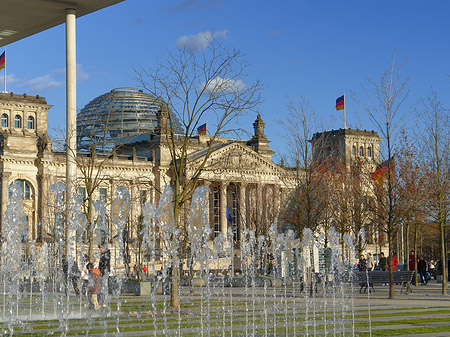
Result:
x=316 y=50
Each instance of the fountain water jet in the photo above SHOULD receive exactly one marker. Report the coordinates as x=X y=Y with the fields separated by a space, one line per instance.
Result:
x=282 y=285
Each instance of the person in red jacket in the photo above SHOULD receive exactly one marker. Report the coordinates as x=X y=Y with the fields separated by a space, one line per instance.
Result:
x=394 y=261
x=93 y=284
x=412 y=264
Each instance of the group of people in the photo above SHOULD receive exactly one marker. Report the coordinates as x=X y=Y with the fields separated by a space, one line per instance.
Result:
x=95 y=278
x=368 y=263
x=423 y=269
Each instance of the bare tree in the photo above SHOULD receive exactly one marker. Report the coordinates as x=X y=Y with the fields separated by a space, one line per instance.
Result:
x=92 y=166
x=435 y=135
x=306 y=206
x=359 y=177
x=195 y=85
x=384 y=104
x=411 y=179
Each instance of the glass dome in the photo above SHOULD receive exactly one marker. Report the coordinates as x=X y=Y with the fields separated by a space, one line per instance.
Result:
x=118 y=117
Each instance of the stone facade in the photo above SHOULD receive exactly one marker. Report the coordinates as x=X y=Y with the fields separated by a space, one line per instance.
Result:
x=240 y=174
x=347 y=145
x=354 y=147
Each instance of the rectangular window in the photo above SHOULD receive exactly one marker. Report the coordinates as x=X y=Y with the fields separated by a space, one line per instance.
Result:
x=30 y=122
x=143 y=196
x=4 y=120
x=364 y=203
x=17 y=122
x=103 y=193
x=216 y=211
x=82 y=191
x=234 y=214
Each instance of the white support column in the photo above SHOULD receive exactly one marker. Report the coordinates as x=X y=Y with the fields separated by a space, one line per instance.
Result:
x=223 y=208
x=71 y=114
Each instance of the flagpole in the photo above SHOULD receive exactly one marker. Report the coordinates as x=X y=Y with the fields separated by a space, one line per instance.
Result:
x=345 y=103
x=4 y=79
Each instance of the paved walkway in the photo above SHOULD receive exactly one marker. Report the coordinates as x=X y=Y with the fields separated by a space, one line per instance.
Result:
x=257 y=312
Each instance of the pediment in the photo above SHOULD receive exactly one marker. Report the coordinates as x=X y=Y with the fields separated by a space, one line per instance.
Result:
x=238 y=157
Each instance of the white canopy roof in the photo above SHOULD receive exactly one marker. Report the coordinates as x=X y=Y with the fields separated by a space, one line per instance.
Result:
x=22 y=18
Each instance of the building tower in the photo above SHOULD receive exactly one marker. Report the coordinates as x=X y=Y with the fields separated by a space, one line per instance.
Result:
x=347 y=145
x=259 y=141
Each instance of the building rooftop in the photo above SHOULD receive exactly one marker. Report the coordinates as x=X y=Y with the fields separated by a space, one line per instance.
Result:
x=123 y=115
x=22 y=98
x=345 y=132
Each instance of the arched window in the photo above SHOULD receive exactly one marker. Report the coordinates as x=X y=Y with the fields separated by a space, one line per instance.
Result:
x=369 y=152
x=361 y=151
x=17 y=122
x=5 y=120
x=30 y=122
x=23 y=186
x=354 y=150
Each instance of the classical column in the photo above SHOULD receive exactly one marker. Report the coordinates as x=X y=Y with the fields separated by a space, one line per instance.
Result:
x=39 y=199
x=259 y=205
x=276 y=202
x=242 y=223
x=251 y=206
x=207 y=204
x=223 y=208
x=136 y=207
x=5 y=182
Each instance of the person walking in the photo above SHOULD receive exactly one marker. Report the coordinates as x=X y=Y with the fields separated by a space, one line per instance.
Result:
x=75 y=276
x=422 y=269
x=383 y=262
x=370 y=263
x=411 y=261
x=85 y=281
x=362 y=264
x=94 y=284
x=394 y=261
x=65 y=270
x=104 y=265
x=105 y=260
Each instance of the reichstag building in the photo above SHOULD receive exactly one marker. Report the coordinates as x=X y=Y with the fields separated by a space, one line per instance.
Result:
x=127 y=126
x=130 y=152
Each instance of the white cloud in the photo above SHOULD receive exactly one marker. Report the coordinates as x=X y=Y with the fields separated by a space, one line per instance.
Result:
x=219 y=84
x=10 y=78
x=82 y=75
x=199 y=41
x=56 y=78
x=43 y=83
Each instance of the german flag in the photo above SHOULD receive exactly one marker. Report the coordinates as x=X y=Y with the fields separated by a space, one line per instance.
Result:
x=2 y=60
x=201 y=130
x=340 y=103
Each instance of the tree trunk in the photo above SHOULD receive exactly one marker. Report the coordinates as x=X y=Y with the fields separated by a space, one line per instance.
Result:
x=391 y=270
x=443 y=259
x=415 y=256
x=174 y=300
x=90 y=231
x=406 y=251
